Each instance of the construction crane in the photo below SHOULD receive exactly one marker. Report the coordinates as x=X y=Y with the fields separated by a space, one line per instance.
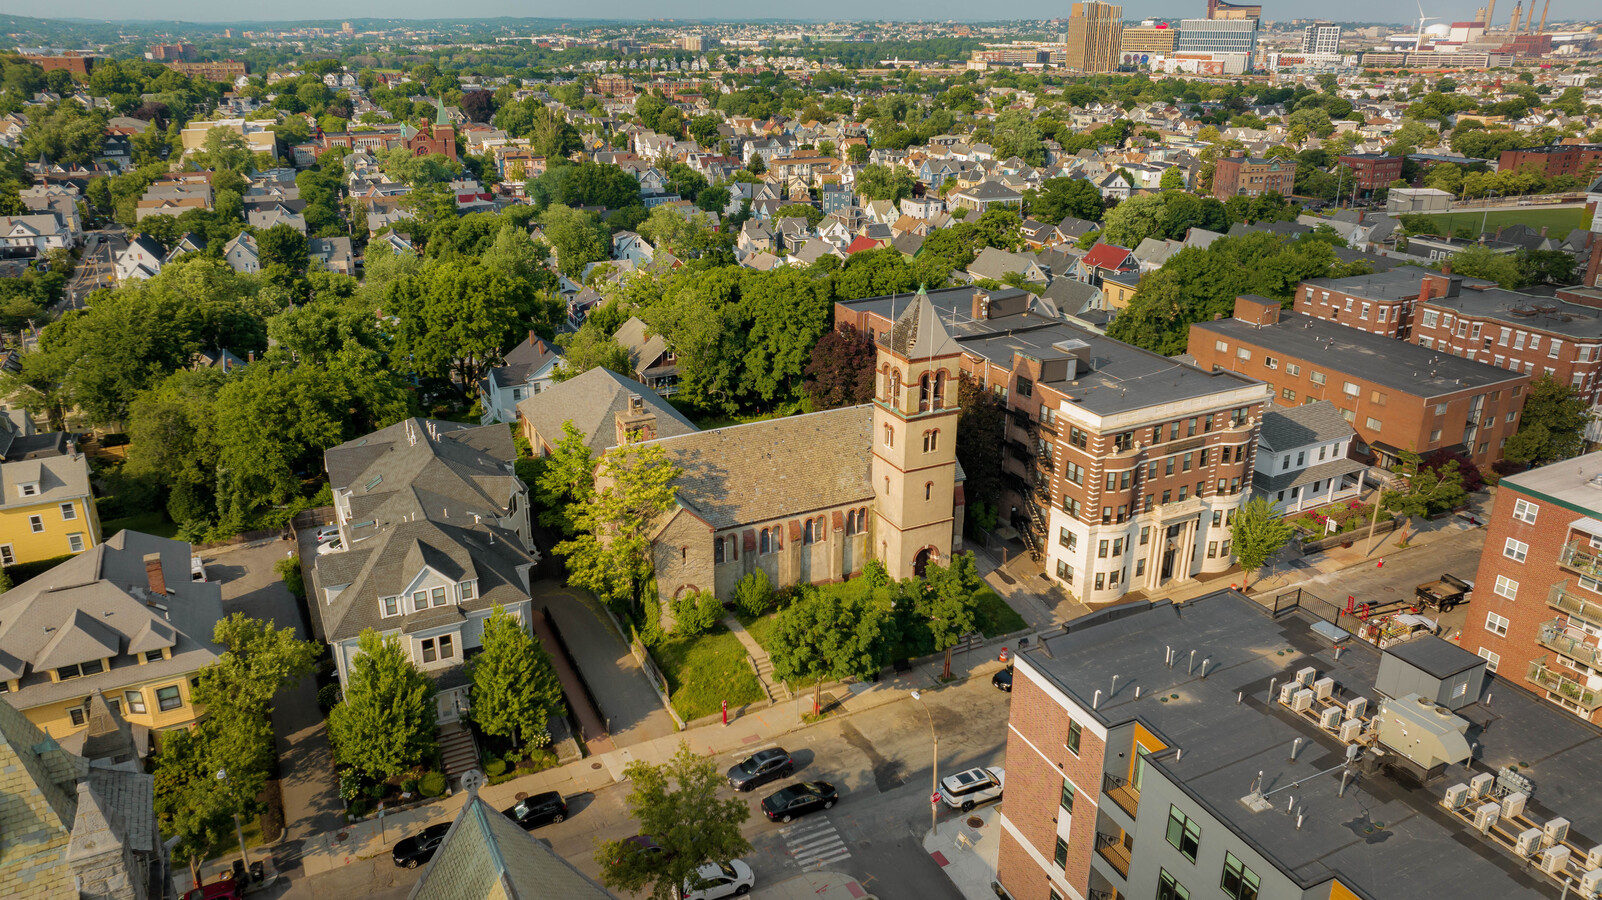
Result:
x=1418 y=39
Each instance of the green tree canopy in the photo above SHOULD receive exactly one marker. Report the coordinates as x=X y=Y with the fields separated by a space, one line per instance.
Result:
x=1551 y=426
x=515 y=689
x=386 y=723
x=1257 y=533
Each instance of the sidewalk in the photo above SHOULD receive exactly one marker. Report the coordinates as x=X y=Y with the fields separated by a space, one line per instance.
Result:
x=968 y=853
x=1019 y=582
x=335 y=848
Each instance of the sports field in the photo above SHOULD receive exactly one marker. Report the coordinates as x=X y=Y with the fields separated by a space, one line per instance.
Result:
x=1558 y=222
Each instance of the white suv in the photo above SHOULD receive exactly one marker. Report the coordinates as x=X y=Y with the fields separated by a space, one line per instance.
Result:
x=964 y=789
x=733 y=878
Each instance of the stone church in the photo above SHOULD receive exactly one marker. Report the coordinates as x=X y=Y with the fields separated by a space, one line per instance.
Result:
x=812 y=498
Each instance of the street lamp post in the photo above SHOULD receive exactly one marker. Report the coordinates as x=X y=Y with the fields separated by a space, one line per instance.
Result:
x=239 y=832
x=934 y=795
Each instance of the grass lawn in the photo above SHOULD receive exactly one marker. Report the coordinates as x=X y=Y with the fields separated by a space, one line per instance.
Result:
x=151 y=522
x=1558 y=222
x=760 y=628
x=703 y=671
x=995 y=616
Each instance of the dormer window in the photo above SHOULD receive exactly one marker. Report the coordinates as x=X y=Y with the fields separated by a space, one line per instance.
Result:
x=391 y=606
x=154 y=655
x=439 y=596
x=467 y=590
x=80 y=670
x=29 y=488
x=419 y=601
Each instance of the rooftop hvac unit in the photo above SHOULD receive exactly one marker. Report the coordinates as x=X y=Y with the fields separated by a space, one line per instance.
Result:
x=1351 y=730
x=1323 y=688
x=1480 y=785
x=1528 y=842
x=1305 y=676
x=1303 y=701
x=1357 y=707
x=1456 y=796
x=1555 y=831
x=1330 y=718
x=1287 y=691
x=1486 y=816
x=1591 y=882
x=1593 y=857
x=1555 y=860
x=1513 y=804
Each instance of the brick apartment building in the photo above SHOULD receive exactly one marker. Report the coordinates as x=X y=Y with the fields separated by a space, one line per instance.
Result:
x=1372 y=171
x=1518 y=332
x=1578 y=160
x=1538 y=593
x=1379 y=303
x=1239 y=175
x=1124 y=468
x=1397 y=396
x=225 y=71
x=1137 y=741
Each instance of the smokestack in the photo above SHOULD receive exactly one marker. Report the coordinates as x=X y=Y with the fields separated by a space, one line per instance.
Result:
x=1490 y=16
x=1544 y=10
x=1518 y=10
x=153 y=574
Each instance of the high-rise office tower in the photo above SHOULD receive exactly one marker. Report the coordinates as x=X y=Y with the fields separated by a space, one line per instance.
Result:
x=1095 y=33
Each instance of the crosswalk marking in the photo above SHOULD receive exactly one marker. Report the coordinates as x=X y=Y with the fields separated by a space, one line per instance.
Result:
x=815 y=845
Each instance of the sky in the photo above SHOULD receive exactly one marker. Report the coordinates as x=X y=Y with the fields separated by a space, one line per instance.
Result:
x=212 y=11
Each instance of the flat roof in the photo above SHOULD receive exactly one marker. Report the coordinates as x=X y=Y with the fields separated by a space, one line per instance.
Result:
x=1123 y=377
x=1572 y=482
x=1399 y=283
x=1527 y=311
x=1385 y=361
x=1389 y=838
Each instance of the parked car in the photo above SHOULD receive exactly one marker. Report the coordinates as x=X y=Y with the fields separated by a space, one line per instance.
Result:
x=420 y=847
x=227 y=889
x=333 y=546
x=197 y=569
x=798 y=799
x=731 y=879
x=966 y=788
x=639 y=843
x=1002 y=681
x=327 y=533
x=540 y=809
x=760 y=768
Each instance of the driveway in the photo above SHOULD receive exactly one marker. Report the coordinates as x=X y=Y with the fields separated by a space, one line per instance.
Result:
x=632 y=708
x=310 y=794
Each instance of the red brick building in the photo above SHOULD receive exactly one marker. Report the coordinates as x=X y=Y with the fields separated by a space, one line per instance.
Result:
x=1537 y=606
x=1239 y=175
x=1578 y=160
x=71 y=60
x=1518 y=332
x=1397 y=396
x=1373 y=171
x=1379 y=303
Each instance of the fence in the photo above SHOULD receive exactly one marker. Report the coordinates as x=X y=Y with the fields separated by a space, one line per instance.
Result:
x=1359 y=535
x=1300 y=598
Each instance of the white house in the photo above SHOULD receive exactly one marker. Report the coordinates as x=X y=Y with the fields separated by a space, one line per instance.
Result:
x=632 y=247
x=241 y=254
x=527 y=372
x=40 y=231
x=1301 y=458
x=141 y=259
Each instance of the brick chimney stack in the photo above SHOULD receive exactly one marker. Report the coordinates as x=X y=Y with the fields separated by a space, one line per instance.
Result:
x=153 y=574
x=636 y=423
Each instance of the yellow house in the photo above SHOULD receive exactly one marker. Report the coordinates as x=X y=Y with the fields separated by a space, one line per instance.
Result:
x=1119 y=288
x=46 y=507
x=122 y=619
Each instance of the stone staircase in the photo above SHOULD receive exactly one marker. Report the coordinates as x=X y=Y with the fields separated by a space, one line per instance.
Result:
x=456 y=747
x=760 y=663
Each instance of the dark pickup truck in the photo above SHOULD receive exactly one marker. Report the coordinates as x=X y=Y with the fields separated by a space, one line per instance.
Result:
x=1444 y=594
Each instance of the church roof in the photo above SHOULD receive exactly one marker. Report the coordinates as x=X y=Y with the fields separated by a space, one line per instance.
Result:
x=919 y=332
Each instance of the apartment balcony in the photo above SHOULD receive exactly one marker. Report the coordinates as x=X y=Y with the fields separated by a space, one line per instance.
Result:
x=1111 y=848
x=1587 y=611
x=1582 y=559
x=1554 y=636
x=1121 y=792
x=1552 y=680
x=1096 y=894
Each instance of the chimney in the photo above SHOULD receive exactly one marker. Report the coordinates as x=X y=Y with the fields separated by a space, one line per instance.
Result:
x=635 y=424
x=153 y=575
x=1256 y=310
x=1543 y=227
x=981 y=305
x=1446 y=267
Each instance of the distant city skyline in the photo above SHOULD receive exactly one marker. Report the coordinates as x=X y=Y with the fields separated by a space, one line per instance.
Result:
x=208 y=11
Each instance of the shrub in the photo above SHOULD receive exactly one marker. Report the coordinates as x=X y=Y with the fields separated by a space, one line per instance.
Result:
x=695 y=612
x=753 y=596
x=328 y=696
x=288 y=569
x=357 y=808
x=350 y=786
x=432 y=785
x=408 y=785
x=377 y=790
x=495 y=768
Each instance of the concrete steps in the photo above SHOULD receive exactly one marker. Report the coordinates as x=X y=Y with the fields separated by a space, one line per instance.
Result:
x=457 y=749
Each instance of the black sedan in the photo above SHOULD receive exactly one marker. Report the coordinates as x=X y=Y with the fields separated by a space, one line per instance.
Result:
x=420 y=847
x=799 y=799
x=760 y=768
x=540 y=809
x=1002 y=681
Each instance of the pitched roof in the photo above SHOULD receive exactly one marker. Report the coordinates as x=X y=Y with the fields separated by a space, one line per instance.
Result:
x=1106 y=256
x=760 y=471
x=525 y=359
x=591 y=402
x=486 y=855
x=1298 y=426
x=918 y=332
x=643 y=346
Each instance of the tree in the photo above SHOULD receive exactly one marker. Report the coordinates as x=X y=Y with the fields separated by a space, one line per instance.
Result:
x=1134 y=220
x=225 y=148
x=841 y=370
x=981 y=429
x=260 y=661
x=564 y=481
x=588 y=348
x=1173 y=179
x=579 y=238
x=515 y=688
x=828 y=634
x=891 y=183
x=1428 y=491
x=1256 y=534
x=1060 y=198
x=947 y=602
x=455 y=318
x=386 y=723
x=1483 y=262
x=1551 y=426
x=677 y=804
x=611 y=555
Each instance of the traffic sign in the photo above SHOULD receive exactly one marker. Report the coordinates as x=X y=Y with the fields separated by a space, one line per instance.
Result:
x=934 y=798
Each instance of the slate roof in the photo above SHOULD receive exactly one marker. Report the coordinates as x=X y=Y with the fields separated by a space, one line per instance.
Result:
x=777 y=468
x=486 y=855
x=1285 y=428
x=919 y=331
x=591 y=401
